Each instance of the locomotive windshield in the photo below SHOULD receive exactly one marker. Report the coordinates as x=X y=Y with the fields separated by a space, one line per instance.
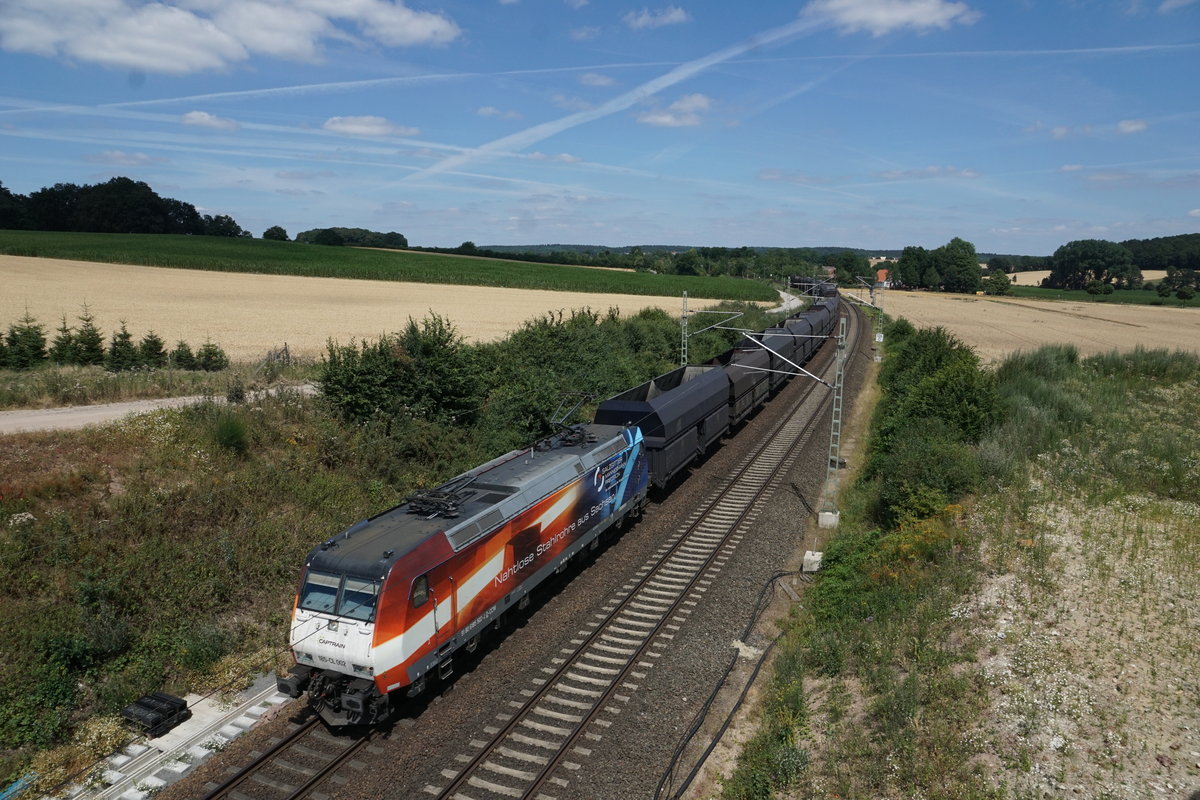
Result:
x=340 y=595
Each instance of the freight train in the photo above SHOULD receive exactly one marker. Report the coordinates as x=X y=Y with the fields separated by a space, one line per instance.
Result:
x=386 y=604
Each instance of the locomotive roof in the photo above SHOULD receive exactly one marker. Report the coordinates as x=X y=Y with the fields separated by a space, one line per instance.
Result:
x=482 y=498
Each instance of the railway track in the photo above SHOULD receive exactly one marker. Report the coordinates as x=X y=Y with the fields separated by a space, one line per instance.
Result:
x=294 y=767
x=531 y=751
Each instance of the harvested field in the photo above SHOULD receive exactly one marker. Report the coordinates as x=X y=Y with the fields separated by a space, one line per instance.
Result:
x=249 y=314
x=1036 y=277
x=997 y=326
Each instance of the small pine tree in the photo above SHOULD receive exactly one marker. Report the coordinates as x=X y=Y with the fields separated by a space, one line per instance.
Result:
x=62 y=349
x=122 y=355
x=26 y=343
x=211 y=358
x=3 y=354
x=182 y=356
x=152 y=352
x=89 y=342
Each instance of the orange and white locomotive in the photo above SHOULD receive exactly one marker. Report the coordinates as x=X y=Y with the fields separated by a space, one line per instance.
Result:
x=388 y=601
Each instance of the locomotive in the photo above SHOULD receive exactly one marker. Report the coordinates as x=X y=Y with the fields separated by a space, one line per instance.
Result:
x=387 y=603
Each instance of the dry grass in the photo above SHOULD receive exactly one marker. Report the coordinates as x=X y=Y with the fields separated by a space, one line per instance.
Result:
x=997 y=326
x=251 y=314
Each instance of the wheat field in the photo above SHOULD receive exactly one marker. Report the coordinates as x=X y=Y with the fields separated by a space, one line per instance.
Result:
x=249 y=315
x=997 y=326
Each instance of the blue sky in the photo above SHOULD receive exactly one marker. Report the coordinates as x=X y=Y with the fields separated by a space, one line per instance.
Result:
x=1018 y=125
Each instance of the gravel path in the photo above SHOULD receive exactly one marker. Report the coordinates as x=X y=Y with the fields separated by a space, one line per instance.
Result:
x=75 y=417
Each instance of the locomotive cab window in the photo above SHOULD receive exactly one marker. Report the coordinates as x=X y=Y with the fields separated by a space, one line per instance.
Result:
x=420 y=591
x=319 y=592
x=358 y=599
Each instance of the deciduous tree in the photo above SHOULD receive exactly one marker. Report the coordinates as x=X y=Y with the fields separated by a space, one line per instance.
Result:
x=1078 y=263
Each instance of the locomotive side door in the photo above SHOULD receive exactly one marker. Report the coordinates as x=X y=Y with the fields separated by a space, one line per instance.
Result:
x=443 y=613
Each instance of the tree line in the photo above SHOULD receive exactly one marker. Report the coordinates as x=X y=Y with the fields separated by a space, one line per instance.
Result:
x=1100 y=266
x=119 y=205
x=25 y=347
x=953 y=267
x=740 y=262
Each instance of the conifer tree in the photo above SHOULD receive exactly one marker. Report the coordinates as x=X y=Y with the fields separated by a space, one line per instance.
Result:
x=26 y=343
x=122 y=355
x=89 y=342
x=182 y=356
x=62 y=349
x=211 y=358
x=151 y=351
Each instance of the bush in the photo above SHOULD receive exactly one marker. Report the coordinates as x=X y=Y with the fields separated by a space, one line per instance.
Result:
x=426 y=369
x=229 y=431
x=928 y=467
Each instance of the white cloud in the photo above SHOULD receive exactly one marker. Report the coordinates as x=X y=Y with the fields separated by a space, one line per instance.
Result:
x=786 y=176
x=584 y=34
x=576 y=4
x=1128 y=126
x=885 y=16
x=1060 y=132
x=1070 y=167
x=492 y=111
x=565 y=158
x=595 y=79
x=570 y=102
x=367 y=126
x=1168 y=6
x=203 y=119
x=928 y=172
x=122 y=159
x=684 y=112
x=1195 y=212
x=645 y=19
x=179 y=37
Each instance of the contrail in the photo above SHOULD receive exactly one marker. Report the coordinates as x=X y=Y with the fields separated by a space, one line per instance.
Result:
x=530 y=136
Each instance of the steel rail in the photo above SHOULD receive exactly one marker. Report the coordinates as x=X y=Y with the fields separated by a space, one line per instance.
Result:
x=230 y=785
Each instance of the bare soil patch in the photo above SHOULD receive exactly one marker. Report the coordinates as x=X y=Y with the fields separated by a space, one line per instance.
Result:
x=250 y=314
x=997 y=326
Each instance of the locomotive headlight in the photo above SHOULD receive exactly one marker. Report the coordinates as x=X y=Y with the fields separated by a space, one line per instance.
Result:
x=360 y=669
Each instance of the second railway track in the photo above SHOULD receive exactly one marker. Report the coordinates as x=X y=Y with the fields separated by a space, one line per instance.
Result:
x=294 y=767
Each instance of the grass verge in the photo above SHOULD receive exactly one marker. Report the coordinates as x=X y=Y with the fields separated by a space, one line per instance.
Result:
x=52 y=386
x=1139 y=297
